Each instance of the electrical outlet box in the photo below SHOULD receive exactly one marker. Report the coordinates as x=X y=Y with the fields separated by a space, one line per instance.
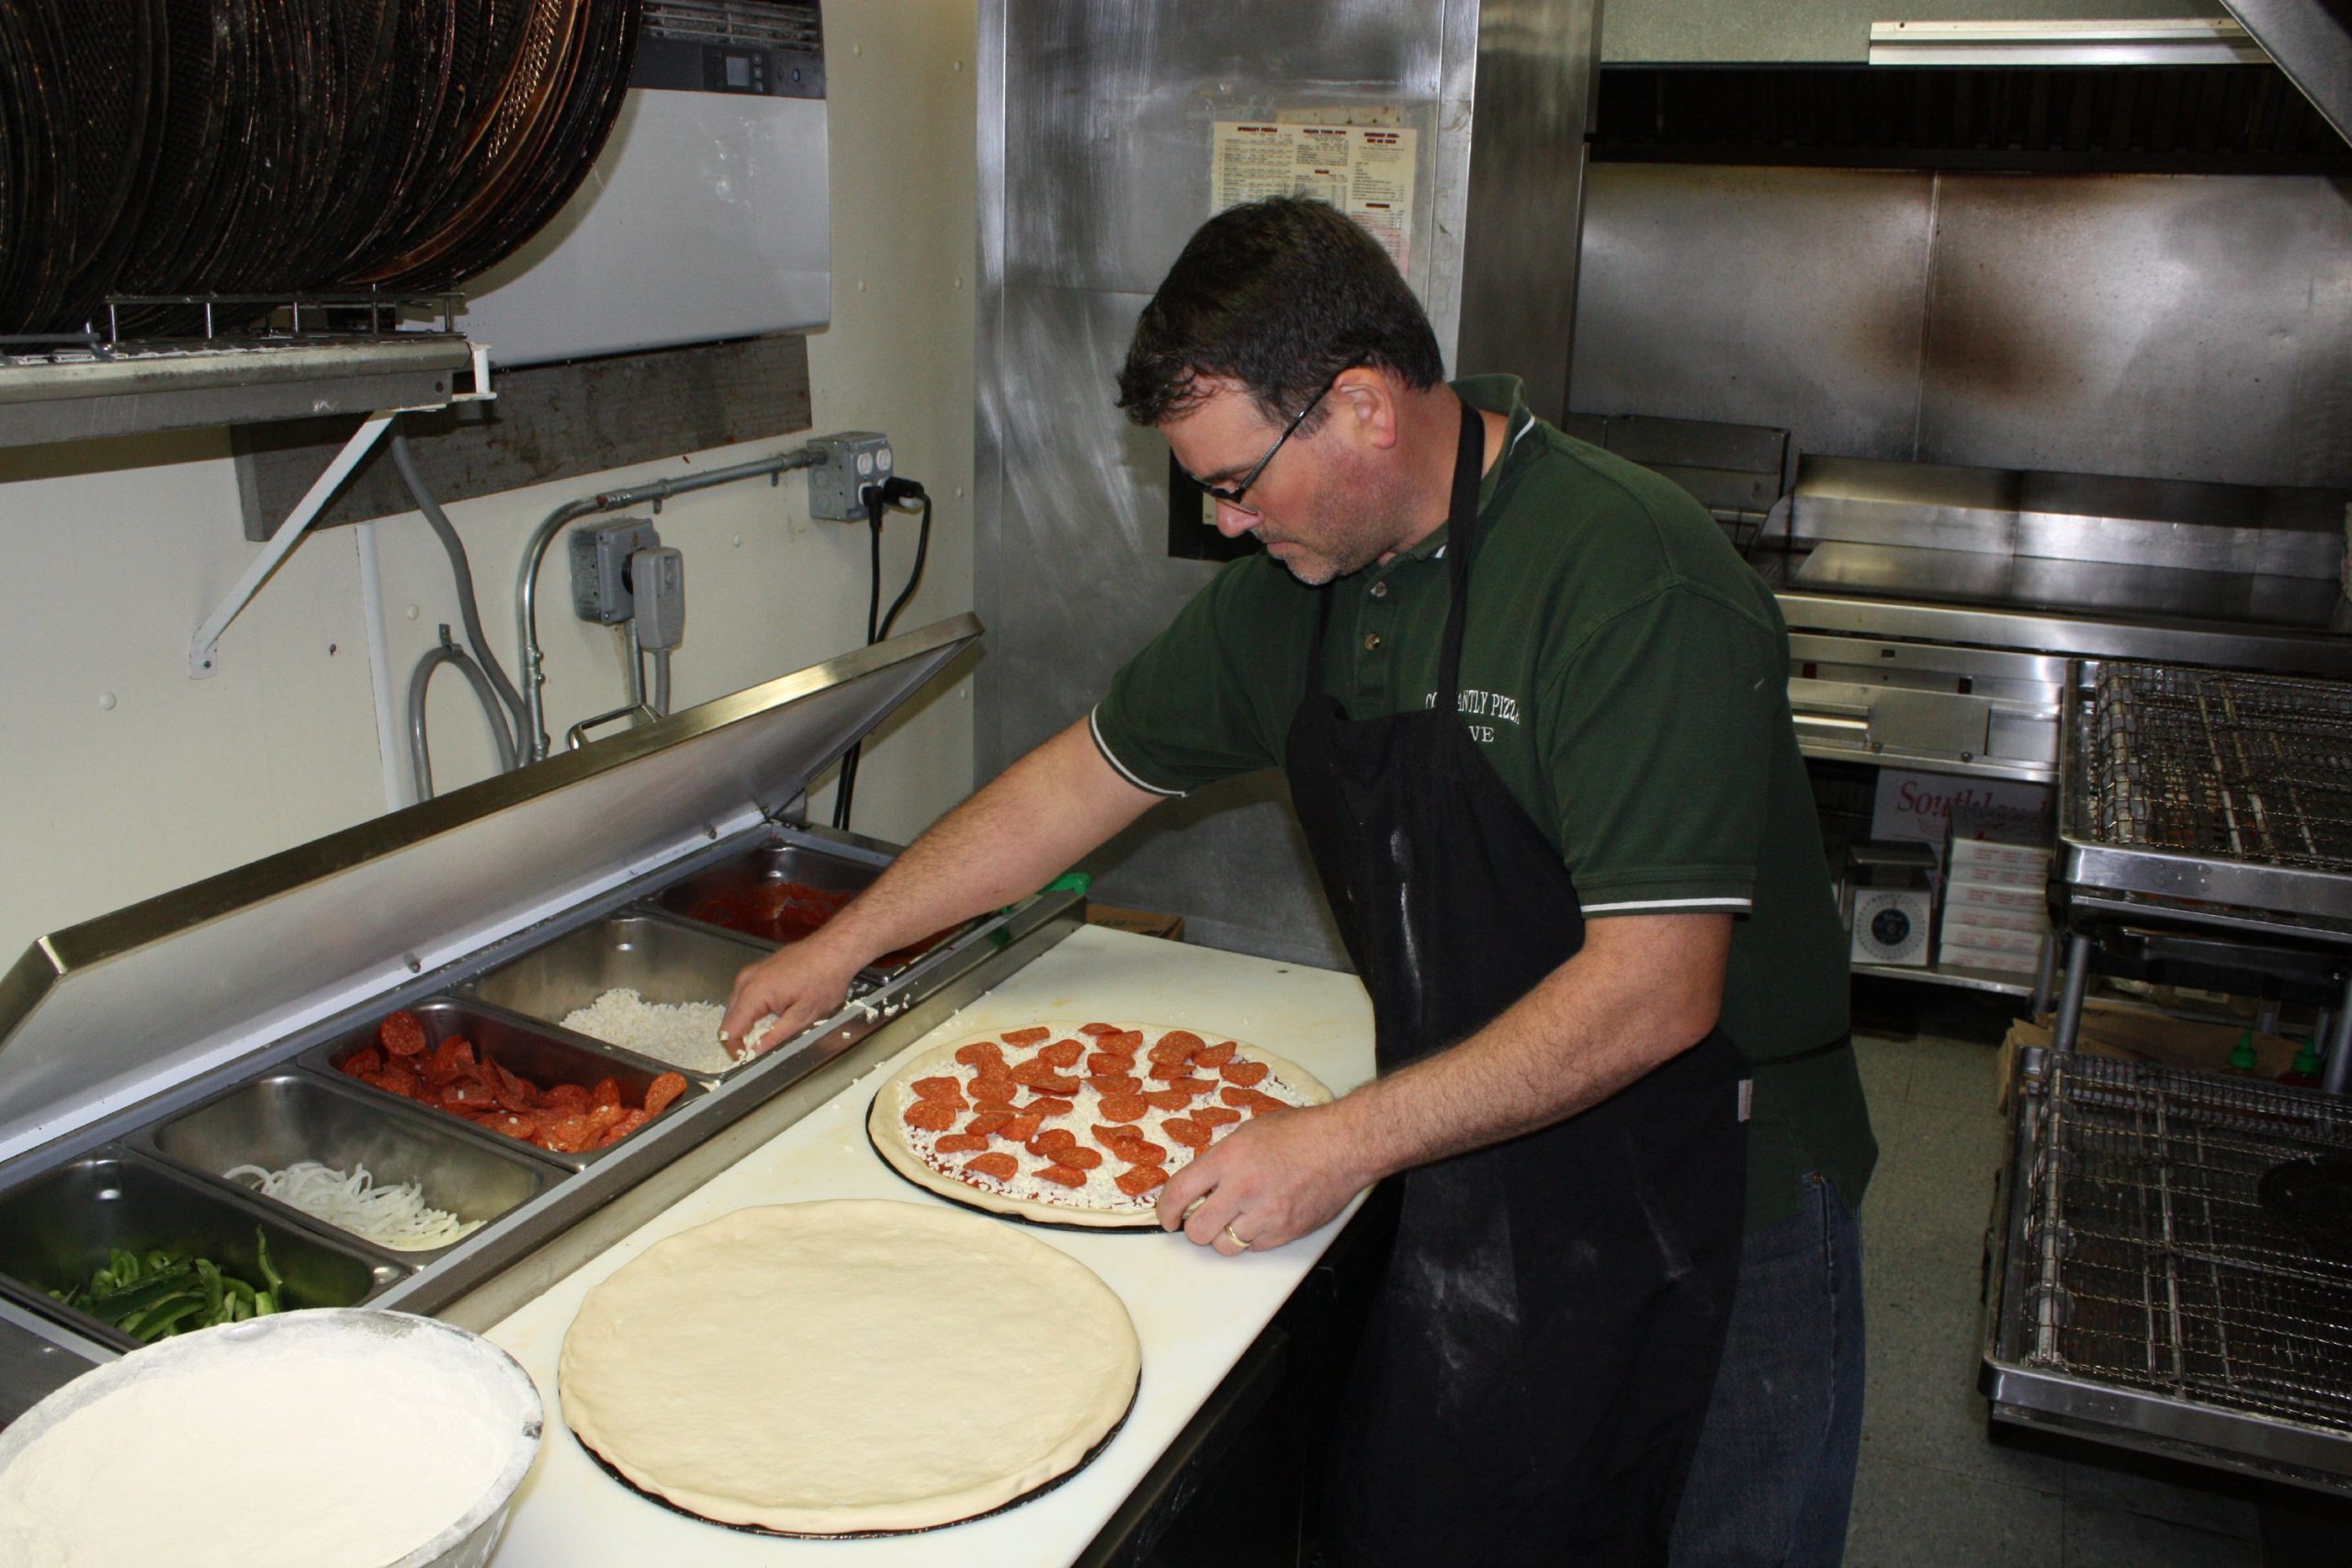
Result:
x=600 y=574
x=847 y=462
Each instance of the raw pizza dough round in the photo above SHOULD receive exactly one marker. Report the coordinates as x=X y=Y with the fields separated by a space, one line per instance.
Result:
x=847 y=1367
x=905 y=1154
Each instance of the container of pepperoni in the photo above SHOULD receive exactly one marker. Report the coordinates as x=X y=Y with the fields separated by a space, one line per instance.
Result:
x=570 y=1098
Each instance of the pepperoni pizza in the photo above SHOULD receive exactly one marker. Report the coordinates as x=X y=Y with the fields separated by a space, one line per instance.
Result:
x=1074 y=1125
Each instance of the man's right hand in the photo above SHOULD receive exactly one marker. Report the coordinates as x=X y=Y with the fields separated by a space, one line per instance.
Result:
x=799 y=985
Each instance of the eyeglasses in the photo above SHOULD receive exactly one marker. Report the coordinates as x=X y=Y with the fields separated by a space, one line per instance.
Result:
x=1232 y=497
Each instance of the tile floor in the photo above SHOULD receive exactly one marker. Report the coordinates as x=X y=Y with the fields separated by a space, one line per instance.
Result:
x=1934 y=1489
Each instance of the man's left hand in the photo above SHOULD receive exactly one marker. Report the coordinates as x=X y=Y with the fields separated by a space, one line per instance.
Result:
x=1271 y=1181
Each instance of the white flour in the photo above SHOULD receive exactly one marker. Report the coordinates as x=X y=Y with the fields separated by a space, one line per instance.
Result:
x=306 y=1456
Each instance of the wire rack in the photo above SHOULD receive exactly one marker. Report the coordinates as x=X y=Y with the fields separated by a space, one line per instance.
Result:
x=2150 y=1260
x=2255 y=768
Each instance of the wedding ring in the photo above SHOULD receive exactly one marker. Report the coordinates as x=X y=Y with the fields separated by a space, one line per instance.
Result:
x=1235 y=1239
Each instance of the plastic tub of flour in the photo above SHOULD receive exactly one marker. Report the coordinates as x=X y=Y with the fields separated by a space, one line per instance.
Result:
x=334 y=1438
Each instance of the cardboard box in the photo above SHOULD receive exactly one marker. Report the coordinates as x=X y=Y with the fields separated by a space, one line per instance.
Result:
x=2029 y=921
x=1968 y=856
x=1142 y=922
x=1917 y=806
x=1967 y=954
x=1968 y=900
x=2116 y=1029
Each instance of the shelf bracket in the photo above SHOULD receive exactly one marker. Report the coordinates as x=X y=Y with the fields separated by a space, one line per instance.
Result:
x=202 y=653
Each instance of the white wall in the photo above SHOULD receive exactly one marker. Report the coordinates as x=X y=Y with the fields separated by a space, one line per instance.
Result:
x=120 y=777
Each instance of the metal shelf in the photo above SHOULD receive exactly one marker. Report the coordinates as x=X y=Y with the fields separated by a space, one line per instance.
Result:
x=83 y=392
x=2002 y=982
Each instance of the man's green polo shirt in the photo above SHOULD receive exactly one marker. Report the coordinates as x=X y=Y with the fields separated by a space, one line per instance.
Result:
x=1626 y=674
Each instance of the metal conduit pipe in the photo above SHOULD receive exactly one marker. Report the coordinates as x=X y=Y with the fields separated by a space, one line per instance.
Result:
x=420 y=754
x=536 y=742
x=462 y=569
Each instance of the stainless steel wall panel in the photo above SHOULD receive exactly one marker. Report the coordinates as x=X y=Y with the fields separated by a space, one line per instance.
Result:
x=1791 y=297
x=1108 y=103
x=2194 y=327
x=2188 y=327
x=1538 y=70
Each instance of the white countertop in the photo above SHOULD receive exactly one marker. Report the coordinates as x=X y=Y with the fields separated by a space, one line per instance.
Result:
x=1197 y=1312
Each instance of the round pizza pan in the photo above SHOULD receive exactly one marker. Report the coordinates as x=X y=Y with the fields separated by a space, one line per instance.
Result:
x=911 y=1168
x=1007 y=1507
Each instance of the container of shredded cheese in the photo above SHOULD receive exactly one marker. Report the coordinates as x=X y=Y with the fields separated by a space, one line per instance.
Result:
x=337 y=1439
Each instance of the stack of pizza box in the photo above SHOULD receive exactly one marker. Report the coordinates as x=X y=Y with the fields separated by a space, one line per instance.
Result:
x=1996 y=895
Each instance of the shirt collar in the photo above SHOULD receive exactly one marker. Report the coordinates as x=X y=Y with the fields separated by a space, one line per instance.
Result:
x=1493 y=394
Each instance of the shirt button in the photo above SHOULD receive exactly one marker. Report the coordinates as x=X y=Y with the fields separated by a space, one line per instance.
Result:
x=1380 y=589
x=1372 y=642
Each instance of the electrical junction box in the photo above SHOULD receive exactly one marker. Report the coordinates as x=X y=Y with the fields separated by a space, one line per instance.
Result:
x=847 y=462
x=600 y=589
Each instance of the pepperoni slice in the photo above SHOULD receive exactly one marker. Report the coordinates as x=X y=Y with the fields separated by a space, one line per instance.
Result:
x=938 y=1089
x=668 y=1085
x=1044 y=1079
x=1078 y=1156
x=1163 y=1071
x=1000 y=1086
x=1214 y=1115
x=1192 y=1086
x=402 y=1034
x=998 y=1167
x=1141 y=1151
x=1098 y=1030
x=1215 y=1055
x=1062 y=1053
x=1050 y=1106
x=1110 y=1062
x=629 y=1123
x=1183 y=1038
x=567 y=1097
x=981 y=1054
x=1061 y=1175
x=988 y=1123
x=960 y=1144
x=1243 y=1073
x=1166 y=1056
x=1026 y=1036
x=1250 y=1100
x=1116 y=1083
x=1142 y=1179
x=1019 y=1129
x=1125 y=1106
x=1127 y=1039
x=931 y=1116
x=366 y=1060
x=606 y=1093
x=1052 y=1138
x=1187 y=1132
x=1167 y=1099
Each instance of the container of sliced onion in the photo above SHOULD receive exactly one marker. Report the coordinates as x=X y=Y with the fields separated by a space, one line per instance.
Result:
x=389 y=1214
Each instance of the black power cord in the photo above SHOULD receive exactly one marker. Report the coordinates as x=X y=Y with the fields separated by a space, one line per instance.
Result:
x=890 y=496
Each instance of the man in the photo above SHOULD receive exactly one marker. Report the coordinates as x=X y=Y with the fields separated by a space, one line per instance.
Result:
x=1533 y=712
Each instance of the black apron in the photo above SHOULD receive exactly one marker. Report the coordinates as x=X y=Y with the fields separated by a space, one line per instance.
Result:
x=1532 y=1385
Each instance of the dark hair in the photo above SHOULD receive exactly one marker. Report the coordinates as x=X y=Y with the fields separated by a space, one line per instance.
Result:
x=1280 y=295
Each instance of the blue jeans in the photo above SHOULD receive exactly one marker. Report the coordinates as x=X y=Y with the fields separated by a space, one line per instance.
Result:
x=1773 y=1478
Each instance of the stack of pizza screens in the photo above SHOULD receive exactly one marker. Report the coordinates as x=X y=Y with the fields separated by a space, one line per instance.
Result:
x=1074 y=1125
x=848 y=1368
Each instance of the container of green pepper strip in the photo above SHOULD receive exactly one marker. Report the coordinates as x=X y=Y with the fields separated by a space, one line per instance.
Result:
x=130 y=1253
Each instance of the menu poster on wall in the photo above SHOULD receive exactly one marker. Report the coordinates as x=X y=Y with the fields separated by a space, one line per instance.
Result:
x=1365 y=171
